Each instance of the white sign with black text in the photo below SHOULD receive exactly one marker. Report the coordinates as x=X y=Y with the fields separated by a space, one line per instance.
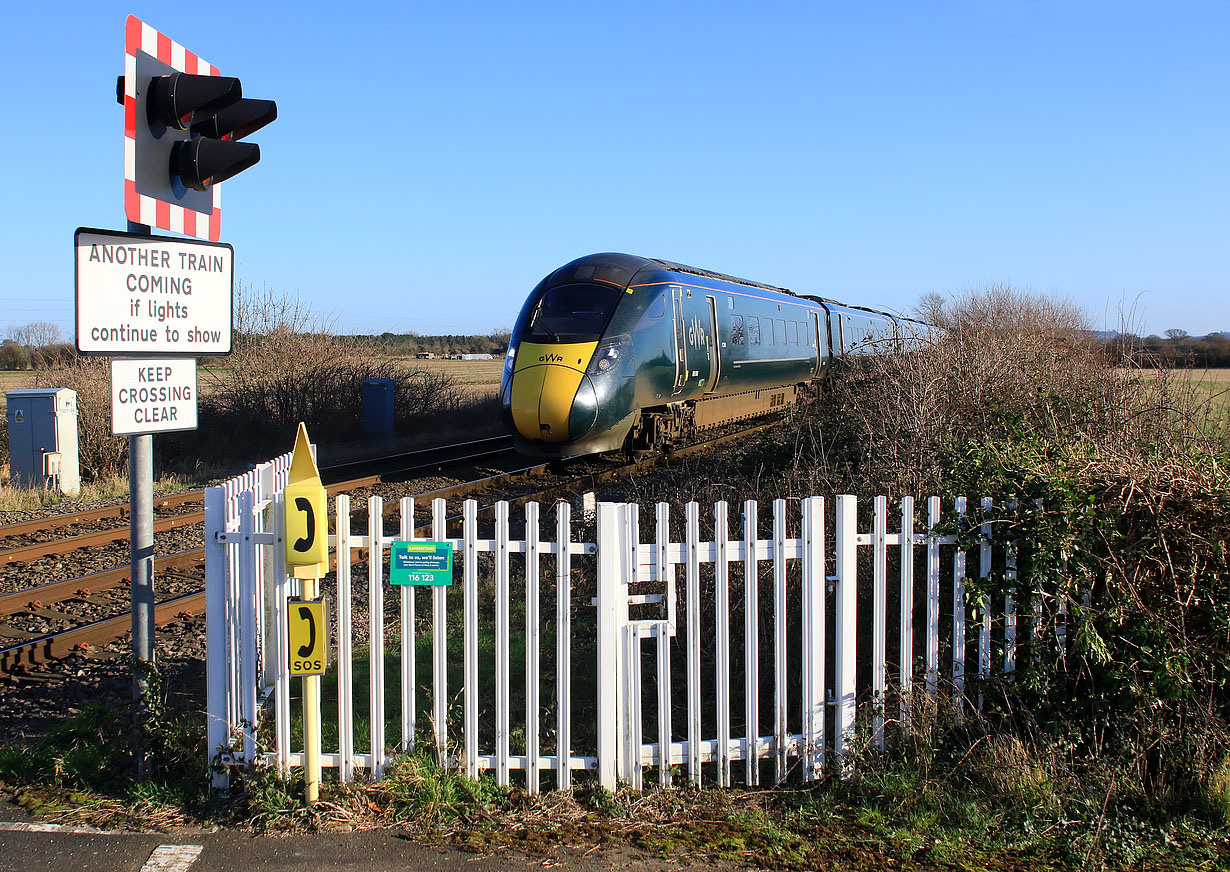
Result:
x=153 y=396
x=152 y=295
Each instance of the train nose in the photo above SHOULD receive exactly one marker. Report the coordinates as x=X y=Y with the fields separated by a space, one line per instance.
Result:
x=552 y=400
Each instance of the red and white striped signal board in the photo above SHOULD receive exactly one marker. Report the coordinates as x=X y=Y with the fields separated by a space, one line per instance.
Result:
x=193 y=216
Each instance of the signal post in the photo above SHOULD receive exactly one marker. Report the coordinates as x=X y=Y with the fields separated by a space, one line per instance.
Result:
x=155 y=303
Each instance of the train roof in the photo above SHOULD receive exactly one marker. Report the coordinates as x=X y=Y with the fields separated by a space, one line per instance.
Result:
x=622 y=268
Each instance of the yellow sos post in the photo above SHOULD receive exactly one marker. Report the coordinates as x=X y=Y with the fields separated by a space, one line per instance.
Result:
x=307 y=557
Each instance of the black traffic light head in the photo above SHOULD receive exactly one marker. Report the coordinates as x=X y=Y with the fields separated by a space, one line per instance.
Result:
x=186 y=127
x=237 y=120
x=201 y=162
x=179 y=100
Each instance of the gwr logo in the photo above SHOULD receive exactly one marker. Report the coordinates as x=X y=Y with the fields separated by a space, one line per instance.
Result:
x=551 y=358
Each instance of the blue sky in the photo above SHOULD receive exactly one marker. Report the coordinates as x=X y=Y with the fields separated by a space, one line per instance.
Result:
x=432 y=161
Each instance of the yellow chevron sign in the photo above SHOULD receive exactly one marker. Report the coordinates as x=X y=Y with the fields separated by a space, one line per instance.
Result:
x=307 y=518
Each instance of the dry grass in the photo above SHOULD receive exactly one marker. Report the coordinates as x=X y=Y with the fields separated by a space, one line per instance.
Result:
x=11 y=380
x=476 y=378
x=20 y=499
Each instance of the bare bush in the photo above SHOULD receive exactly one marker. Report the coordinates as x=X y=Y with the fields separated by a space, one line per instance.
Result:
x=1003 y=358
x=288 y=367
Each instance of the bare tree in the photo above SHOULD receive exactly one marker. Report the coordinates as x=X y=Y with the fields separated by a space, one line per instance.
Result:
x=36 y=334
x=1174 y=334
x=930 y=308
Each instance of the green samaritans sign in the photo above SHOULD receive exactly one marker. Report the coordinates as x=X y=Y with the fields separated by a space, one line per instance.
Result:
x=420 y=562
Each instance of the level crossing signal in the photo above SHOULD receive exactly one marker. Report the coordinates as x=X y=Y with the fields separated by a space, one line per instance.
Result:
x=183 y=124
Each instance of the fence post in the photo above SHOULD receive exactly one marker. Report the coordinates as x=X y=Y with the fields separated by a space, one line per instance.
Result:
x=692 y=551
x=439 y=648
x=375 y=633
x=847 y=598
x=345 y=651
x=470 y=620
x=958 y=622
x=906 y=630
x=984 y=603
x=879 y=619
x=612 y=604
x=563 y=647
x=279 y=591
x=813 y=638
x=931 y=656
x=249 y=668
x=217 y=672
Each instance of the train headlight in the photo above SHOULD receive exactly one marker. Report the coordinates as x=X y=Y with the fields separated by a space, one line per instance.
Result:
x=509 y=358
x=610 y=354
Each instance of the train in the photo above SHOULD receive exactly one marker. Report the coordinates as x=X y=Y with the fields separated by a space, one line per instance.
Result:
x=619 y=353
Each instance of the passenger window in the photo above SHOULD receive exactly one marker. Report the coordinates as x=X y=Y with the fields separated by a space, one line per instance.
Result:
x=794 y=332
x=779 y=332
x=736 y=329
x=753 y=331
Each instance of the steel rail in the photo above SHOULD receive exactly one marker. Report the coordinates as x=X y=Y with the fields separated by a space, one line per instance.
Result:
x=57 y=646
x=17 y=601
x=89 y=540
x=458 y=452
x=21 y=528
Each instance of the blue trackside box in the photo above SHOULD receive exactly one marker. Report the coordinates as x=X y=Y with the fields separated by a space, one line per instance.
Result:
x=378 y=408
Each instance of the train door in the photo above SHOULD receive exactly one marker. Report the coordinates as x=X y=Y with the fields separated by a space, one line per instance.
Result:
x=681 y=340
x=715 y=354
x=820 y=338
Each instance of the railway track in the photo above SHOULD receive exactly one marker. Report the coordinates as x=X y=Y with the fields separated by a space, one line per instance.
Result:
x=48 y=621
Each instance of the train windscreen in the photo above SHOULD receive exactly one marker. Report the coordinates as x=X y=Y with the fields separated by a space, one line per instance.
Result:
x=572 y=313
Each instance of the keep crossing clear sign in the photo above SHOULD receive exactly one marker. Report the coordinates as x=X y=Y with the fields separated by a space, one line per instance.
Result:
x=420 y=562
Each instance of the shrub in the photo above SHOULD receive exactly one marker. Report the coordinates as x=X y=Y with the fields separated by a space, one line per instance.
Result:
x=1122 y=511
x=289 y=366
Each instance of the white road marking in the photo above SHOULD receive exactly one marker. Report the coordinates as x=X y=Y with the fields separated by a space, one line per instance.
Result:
x=19 y=827
x=172 y=858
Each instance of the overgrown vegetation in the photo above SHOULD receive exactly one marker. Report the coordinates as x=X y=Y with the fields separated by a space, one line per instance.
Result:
x=87 y=767
x=1114 y=483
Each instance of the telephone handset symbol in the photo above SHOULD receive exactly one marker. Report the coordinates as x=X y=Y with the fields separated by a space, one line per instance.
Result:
x=305 y=614
x=304 y=543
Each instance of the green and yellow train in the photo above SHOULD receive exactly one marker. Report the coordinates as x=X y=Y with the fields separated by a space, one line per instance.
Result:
x=616 y=352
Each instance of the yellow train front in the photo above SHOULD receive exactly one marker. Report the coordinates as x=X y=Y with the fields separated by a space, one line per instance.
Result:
x=617 y=352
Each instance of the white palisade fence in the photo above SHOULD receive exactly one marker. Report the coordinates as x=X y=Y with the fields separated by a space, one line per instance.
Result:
x=548 y=655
